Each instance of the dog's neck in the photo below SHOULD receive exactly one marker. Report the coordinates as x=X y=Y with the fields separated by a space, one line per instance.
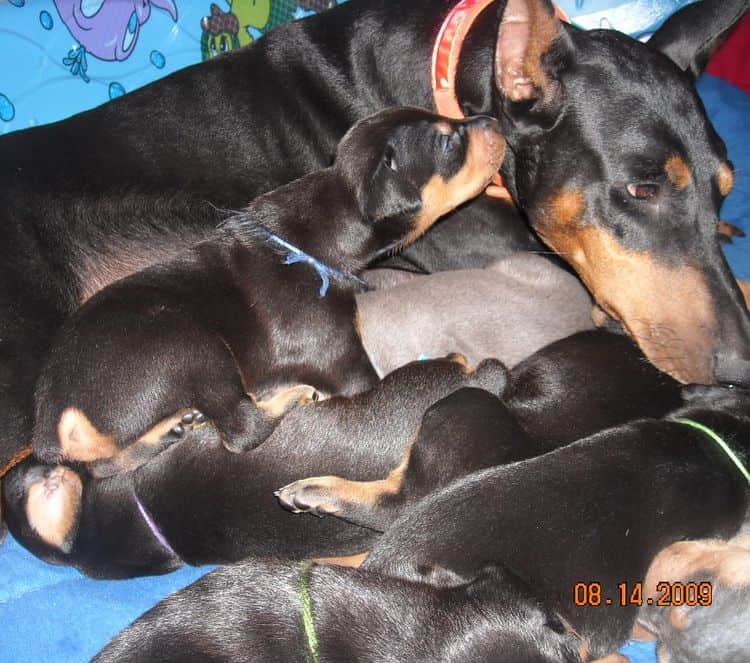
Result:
x=319 y=216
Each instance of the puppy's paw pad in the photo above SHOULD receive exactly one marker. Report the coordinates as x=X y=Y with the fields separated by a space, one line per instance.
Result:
x=191 y=419
x=307 y=496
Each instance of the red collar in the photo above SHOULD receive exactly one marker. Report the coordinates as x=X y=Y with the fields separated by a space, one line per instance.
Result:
x=445 y=56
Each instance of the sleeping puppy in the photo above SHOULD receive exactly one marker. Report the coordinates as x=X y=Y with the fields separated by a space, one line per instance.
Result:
x=596 y=511
x=572 y=388
x=228 y=331
x=476 y=312
x=197 y=503
x=269 y=611
x=697 y=601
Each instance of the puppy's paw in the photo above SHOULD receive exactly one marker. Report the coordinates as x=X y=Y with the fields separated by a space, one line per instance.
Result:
x=316 y=496
x=191 y=419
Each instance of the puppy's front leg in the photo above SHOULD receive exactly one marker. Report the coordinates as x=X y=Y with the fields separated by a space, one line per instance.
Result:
x=371 y=504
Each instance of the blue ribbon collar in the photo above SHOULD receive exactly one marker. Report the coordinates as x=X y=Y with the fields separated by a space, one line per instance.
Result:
x=326 y=273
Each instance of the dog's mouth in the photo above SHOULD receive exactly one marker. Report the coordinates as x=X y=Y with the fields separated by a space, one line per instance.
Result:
x=672 y=312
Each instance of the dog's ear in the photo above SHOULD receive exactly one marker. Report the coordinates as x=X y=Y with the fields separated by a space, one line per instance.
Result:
x=532 y=47
x=390 y=196
x=691 y=35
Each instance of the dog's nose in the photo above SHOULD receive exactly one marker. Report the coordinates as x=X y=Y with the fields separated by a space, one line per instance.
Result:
x=731 y=369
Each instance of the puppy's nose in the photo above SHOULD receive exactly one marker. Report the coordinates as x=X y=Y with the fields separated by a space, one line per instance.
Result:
x=731 y=369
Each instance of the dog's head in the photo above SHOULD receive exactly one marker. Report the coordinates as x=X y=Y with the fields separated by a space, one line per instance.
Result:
x=614 y=161
x=407 y=167
x=506 y=621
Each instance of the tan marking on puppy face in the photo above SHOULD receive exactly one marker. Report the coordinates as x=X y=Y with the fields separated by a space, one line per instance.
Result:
x=53 y=505
x=668 y=311
x=484 y=157
x=283 y=400
x=351 y=561
x=678 y=172
x=727 y=562
x=80 y=440
x=725 y=179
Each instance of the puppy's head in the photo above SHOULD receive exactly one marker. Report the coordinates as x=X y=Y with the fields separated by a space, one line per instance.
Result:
x=509 y=623
x=42 y=505
x=408 y=167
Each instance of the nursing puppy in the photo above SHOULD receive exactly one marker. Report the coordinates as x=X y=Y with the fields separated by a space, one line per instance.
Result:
x=197 y=503
x=476 y=312
x=254 y=612
x=596 y=511
x=228 y=331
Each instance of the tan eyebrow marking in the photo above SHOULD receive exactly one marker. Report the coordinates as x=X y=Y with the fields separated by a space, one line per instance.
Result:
x=725 y=179
x=678 y=171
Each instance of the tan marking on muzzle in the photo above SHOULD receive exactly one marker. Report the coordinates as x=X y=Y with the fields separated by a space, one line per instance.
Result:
x=678 y=171
x=726 y=562
x=484 y=157
x=725 y=179
x=53 y=505
x=80 y=440
x=668 y=311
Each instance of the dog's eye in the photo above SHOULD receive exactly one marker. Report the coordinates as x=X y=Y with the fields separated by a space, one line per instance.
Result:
x=389 y=159
x=643 y=190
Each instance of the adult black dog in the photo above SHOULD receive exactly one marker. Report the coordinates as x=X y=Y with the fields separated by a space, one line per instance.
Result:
x=613 y=161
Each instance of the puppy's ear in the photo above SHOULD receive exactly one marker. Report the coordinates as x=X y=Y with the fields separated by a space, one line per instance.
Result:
x=390 y=196
x=532 y=48
x=691 y=35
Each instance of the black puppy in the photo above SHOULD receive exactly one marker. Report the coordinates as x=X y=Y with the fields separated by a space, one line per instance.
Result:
x=193 y=337
x=578 y=521
x=210 y=506
x=613 y=161
x=196 y=503
x=572 y=388
x=265 y=612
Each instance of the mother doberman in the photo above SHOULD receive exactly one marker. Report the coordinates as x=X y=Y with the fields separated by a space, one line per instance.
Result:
x=612 y=161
